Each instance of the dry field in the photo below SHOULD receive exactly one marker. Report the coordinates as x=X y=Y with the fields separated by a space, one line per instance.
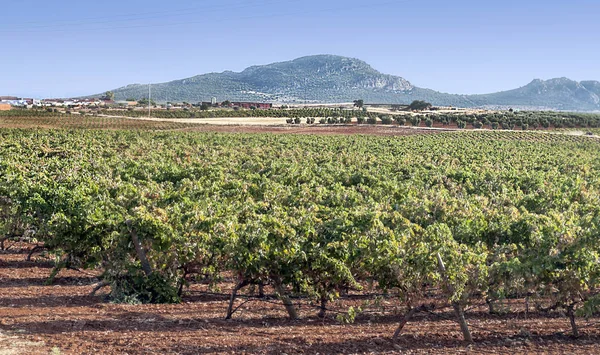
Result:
x=201 y=125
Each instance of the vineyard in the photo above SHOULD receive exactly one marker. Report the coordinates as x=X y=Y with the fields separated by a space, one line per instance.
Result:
x=524 y=120
x=53 y=120
x=502 y=120
x=322 y=227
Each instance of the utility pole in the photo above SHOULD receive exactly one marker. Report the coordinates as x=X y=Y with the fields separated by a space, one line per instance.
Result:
x=149 y=99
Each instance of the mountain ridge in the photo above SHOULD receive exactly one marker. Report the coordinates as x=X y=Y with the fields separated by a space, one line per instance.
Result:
x=329 y=78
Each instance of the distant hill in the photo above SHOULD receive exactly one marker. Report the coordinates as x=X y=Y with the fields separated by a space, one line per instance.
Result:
x=557 y=94
x=329 y=78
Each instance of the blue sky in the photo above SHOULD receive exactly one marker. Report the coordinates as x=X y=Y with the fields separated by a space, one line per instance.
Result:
x=67 y=48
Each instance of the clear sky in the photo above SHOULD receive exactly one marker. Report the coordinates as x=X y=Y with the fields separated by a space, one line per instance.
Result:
x=67 y=48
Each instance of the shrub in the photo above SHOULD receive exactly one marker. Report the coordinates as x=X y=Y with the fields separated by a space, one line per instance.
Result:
x=360 y=120
x=137 y=288
x=415 y=121
x=418 y=105
x=386 y=119
x=372 y=120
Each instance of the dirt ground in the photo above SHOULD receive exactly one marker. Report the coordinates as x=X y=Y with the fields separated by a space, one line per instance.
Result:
x=113 y=123
x=253 y=121
x=236 y=125
x=378 y=130
x=64 y=319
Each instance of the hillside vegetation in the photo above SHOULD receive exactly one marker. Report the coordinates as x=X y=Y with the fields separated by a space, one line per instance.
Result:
x=328 y=78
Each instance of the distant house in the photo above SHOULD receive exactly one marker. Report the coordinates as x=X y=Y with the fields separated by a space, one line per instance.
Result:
x=17 y=102
x=53 y=102
x=127 y=103
x=72 y=103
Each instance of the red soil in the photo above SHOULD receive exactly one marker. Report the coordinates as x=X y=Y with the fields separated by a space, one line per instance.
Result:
x=66 y=317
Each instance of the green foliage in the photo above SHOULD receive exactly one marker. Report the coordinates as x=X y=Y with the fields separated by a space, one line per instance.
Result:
x=136 y=288
x=415 y=121
x=386 y=119
x=349 y=317
x=372 y=120
x=509 y=213
x=419 y=105
x=109 y=95
x=144 y=102
x=400 y=120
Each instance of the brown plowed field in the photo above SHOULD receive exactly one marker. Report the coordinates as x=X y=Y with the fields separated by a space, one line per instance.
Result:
x=110 y=123
x=37 y=318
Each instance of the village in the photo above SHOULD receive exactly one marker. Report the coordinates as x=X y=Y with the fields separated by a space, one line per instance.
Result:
x=12 y=102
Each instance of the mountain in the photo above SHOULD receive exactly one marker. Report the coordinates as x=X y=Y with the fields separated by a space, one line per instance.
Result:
x=557 y=94
x=329 y=78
